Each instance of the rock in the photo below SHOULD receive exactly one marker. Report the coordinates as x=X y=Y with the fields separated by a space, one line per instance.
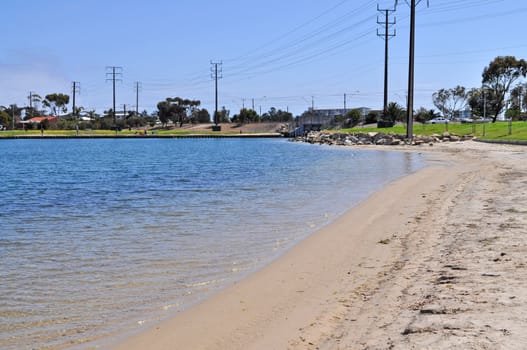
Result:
x=377 y=138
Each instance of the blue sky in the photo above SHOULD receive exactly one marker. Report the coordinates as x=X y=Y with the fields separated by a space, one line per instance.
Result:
x=284 y=54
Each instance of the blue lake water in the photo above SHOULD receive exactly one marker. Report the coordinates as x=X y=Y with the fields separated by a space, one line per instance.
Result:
x=99 y=237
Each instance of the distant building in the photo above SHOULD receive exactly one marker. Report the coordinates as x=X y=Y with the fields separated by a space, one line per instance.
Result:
x=37 y=121
x=314 y=119
x=465 y=114
x=318 y=119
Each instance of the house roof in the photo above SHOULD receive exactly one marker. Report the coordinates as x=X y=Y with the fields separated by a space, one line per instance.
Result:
x=41 y=119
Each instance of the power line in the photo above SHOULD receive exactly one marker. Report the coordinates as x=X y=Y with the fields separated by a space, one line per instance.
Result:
x=303 y=50
x=256 y=53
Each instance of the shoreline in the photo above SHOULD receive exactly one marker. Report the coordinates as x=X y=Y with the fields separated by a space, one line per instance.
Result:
x=348 y=285
x=195 y=136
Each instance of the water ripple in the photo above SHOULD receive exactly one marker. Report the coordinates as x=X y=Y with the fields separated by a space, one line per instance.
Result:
x=98 y=235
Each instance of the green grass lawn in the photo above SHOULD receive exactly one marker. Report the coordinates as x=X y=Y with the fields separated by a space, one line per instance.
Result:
x=487 y=131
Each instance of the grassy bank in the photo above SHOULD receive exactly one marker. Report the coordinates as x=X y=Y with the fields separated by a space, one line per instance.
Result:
x=227 y=129
x=487 y=131
x=107 y=133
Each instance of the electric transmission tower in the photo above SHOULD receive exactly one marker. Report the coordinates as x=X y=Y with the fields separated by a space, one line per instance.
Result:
x=410 y=102
x=386 y=35
x=75 y=89
x=216 y=74
x=114 y=74
x=137 y=87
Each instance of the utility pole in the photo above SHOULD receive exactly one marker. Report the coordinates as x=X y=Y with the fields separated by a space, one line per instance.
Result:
x=387 y=35
x=521 y=100
x=114 y=74
x=410 y=104
x=484 y=106
x=13 y=117
x=346 y=98
x=137 y=86
x=253 y=104
x=75 y=89
x=30 y=98
x=216 y=74
x=124 y=110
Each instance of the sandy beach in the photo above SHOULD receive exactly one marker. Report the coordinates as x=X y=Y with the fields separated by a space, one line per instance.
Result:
x=435 y=260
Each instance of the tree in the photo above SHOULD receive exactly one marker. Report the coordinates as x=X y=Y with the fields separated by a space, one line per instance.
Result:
x=78 y=109
x=10 y=113
x=176 y=109
x=423 y=114
x=499 y=76
x=353 y=118
x=223 y=115
x=163 y=113
x=482 y=102
x=56 y=103
x=33 y=109
x=451 y=101
x=246 y=116
x=394 y=112
x=4 y=118
x=371 y=117
x=275 y=115
x=200 y=116
x=518 y=97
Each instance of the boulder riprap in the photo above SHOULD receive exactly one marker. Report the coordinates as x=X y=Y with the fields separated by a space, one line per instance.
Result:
x=375 y=138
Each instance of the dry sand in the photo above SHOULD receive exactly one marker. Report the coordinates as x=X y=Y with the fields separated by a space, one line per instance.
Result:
x=435 y=260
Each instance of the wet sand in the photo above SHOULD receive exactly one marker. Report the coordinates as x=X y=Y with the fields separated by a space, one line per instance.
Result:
x=435 y=260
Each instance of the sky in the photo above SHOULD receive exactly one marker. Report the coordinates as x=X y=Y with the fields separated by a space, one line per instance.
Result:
x=287 y=54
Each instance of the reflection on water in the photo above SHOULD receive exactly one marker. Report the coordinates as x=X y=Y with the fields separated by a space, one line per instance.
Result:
x=100 y=236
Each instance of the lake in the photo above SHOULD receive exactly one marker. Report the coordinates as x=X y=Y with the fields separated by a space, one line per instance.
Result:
x=104 y=236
